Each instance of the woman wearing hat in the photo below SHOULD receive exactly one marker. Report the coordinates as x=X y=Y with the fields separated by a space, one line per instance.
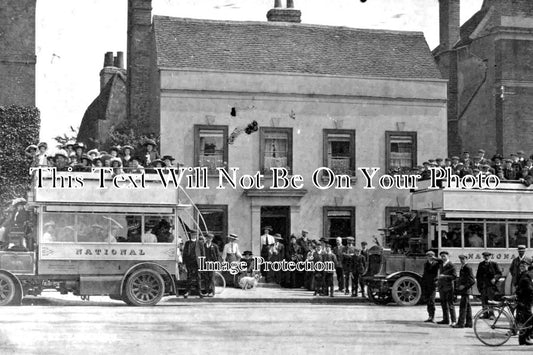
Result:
x=30 y=152
x=61 y=160
x=151 y=153
x=41 y=155
x=231 y=251
x=126 y=155
x=116 y=164
x=135 y=166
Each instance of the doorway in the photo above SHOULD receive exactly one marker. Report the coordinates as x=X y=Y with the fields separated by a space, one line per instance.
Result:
x=278 y=217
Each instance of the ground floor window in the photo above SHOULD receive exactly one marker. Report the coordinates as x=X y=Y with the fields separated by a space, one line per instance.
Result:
x=216 y=221
x=339 y=222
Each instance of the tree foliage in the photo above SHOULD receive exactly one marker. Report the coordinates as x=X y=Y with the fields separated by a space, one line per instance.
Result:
x=19 y=127
x=66 y=138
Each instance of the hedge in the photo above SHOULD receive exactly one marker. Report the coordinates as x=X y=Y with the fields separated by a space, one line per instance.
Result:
x=19 y=127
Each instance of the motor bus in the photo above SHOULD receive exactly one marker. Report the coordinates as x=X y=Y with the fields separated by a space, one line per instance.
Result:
x=459 y=221
x=121 y=241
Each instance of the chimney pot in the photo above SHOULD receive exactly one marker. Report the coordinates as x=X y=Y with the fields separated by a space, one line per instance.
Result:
x=120 y=60
x=108 y=59
x=290 y=4
x=277 y=3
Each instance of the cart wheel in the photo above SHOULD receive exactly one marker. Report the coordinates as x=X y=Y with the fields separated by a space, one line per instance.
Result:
x=7 y=290
x=406 y=291
x=145 y=287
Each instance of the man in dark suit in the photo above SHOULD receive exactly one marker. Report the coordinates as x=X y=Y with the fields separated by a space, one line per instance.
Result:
x=464 y=284
x=487 y=275
x=338 y=250
x=329 y=257
x=193 y=249
x=514 y=269
x=447 y=275
x=347 y=253
x=524 y=298
x=429 y=284
x=358 y=267
x=211 y=254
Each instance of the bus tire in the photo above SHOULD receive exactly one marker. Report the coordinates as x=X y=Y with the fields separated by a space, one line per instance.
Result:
x=8 y=289
x=144 y=287
x=406 y=291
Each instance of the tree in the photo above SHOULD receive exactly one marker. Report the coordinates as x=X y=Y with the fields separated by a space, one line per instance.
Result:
x=20 y=128
x=71 y=137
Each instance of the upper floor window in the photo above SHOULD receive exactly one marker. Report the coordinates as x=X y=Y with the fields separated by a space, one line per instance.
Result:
x=276 y=148
x=211 y=147
x=401 y=150
x=339 y=151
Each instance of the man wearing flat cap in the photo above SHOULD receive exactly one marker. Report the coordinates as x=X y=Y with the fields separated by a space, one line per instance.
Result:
x=429 y=284
x=445 y=280
x=487 y=275
x=464 y=285
x=514 y=269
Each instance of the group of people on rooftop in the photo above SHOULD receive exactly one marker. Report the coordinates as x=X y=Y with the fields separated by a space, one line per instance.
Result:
x=516 y=167
x=77 y=157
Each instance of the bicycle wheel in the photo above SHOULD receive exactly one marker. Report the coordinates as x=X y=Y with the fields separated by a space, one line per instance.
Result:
x=493 y=326
x=220 y=283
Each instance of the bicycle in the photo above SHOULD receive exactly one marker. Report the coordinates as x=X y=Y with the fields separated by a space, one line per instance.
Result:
x=495 y=325
x=220 y=282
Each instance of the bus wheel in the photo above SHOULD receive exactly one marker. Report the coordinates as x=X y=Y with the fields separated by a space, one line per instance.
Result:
x=406 y=291
x=7 y=290
x=145 y=287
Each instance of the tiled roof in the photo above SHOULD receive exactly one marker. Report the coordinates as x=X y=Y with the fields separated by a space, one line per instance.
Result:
x=291 y=48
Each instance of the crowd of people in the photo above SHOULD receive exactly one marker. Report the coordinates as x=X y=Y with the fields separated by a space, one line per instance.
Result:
x=440 y=274
x=76 y=157
x=349 y=262
x=516 y=167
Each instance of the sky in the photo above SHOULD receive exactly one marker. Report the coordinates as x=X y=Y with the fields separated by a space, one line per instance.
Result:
x=73 y=36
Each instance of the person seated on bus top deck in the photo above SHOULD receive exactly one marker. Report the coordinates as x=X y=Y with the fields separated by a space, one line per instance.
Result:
x=135 y=166
x=148 y=236
x=162 y=232
x=49 y=232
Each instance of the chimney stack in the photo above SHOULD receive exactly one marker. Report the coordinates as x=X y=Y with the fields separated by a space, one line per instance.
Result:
x=449 y=13
x=112 y=65
x=279 y=14
x=140 y=64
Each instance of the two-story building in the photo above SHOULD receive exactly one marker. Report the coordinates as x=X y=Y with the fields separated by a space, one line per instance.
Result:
x=322 y=96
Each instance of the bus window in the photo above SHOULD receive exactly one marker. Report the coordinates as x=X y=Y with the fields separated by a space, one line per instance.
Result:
x=451 y=238
x=134 y=229
x=164 y=230
x=474 y=235
x=496 y=235
x=517 y=234
x=58 y=227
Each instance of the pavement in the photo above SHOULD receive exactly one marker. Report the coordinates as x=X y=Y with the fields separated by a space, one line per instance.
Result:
x=271 y=293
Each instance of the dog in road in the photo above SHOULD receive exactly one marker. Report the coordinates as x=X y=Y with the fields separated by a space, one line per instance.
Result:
x=248 y=282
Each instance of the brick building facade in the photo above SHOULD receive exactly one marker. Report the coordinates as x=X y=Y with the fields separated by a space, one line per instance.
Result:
x=489 y=63
x=17 y=52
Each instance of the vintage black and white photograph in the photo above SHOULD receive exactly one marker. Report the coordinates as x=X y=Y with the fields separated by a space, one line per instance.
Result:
x=266 y=176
